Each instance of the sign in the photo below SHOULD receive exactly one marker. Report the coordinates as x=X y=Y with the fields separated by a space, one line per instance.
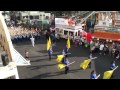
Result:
x=64 y=21
x=103 y=23
x=61 y=21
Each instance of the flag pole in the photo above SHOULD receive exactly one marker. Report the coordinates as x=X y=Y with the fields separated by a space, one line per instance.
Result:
x=97 y=76
x=70 y=63
x=115 y=68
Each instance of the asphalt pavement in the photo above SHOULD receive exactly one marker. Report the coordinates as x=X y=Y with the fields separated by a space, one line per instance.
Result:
x=42 y=68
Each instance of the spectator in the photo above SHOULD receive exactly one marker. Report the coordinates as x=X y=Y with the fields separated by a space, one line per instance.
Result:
x=101 y=48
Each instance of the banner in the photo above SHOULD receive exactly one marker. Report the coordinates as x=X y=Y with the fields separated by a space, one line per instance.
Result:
x=64 y=21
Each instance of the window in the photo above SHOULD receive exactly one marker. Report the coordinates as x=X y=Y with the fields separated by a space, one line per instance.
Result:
x=75 y=33
x=36 y=17
x=47 y=17
x=65 y=32
x=71 y=33
x=26 y=16
x=31 y=17
x=61 y=30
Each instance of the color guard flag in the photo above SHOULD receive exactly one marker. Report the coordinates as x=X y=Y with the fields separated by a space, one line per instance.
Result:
x=61 y=66
x=59 y=58
x=50 y=41
x=48 y=44
x=85 y=64
x=68 y=42
x=108 y=74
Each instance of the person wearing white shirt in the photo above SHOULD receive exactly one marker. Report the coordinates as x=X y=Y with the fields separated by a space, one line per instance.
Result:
x=32 y=41
x=101 y=48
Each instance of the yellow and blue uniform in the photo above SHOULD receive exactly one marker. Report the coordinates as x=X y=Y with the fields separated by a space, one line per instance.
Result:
x=50 y=53
x=93 y=76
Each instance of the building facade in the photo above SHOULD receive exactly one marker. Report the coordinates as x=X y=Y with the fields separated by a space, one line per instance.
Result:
x=30 y=15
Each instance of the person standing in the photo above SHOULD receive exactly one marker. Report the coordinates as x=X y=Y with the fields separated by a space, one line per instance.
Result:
x=101 y=48
x=66 y=62
x=66 y=51
x=50 y=51
x=26 y=54
x=63 y=52
x=90 y=57
x=112 y=66
x=118 y=57
x=32 y=41
x=93 y=75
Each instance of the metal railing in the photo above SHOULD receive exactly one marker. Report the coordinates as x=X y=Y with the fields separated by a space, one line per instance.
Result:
x=84 y=19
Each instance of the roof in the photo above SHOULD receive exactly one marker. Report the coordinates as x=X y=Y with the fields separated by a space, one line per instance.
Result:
x=107 y=35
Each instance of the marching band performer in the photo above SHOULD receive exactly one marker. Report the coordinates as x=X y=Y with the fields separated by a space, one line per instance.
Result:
x=50 y=51
x=66 y=50
x=93 y=75
x=28 y=36
x=90 y=57
x=63 y=52
x=112 y=66
x=32 y=41
x=24 y=37
x=20 y=37
x=66 y=62
x=16 y=38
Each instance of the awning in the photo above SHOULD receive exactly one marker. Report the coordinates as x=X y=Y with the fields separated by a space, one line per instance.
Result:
x=19 y=59
x=107 y=36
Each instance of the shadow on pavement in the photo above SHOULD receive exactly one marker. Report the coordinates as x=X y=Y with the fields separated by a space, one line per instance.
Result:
x=42 y=76
x=40 y=66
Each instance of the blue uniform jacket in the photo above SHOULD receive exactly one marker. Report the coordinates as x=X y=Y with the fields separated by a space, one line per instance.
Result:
x=50 y=51
x=66 y=49
x=93 y=76
x=112 y=65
